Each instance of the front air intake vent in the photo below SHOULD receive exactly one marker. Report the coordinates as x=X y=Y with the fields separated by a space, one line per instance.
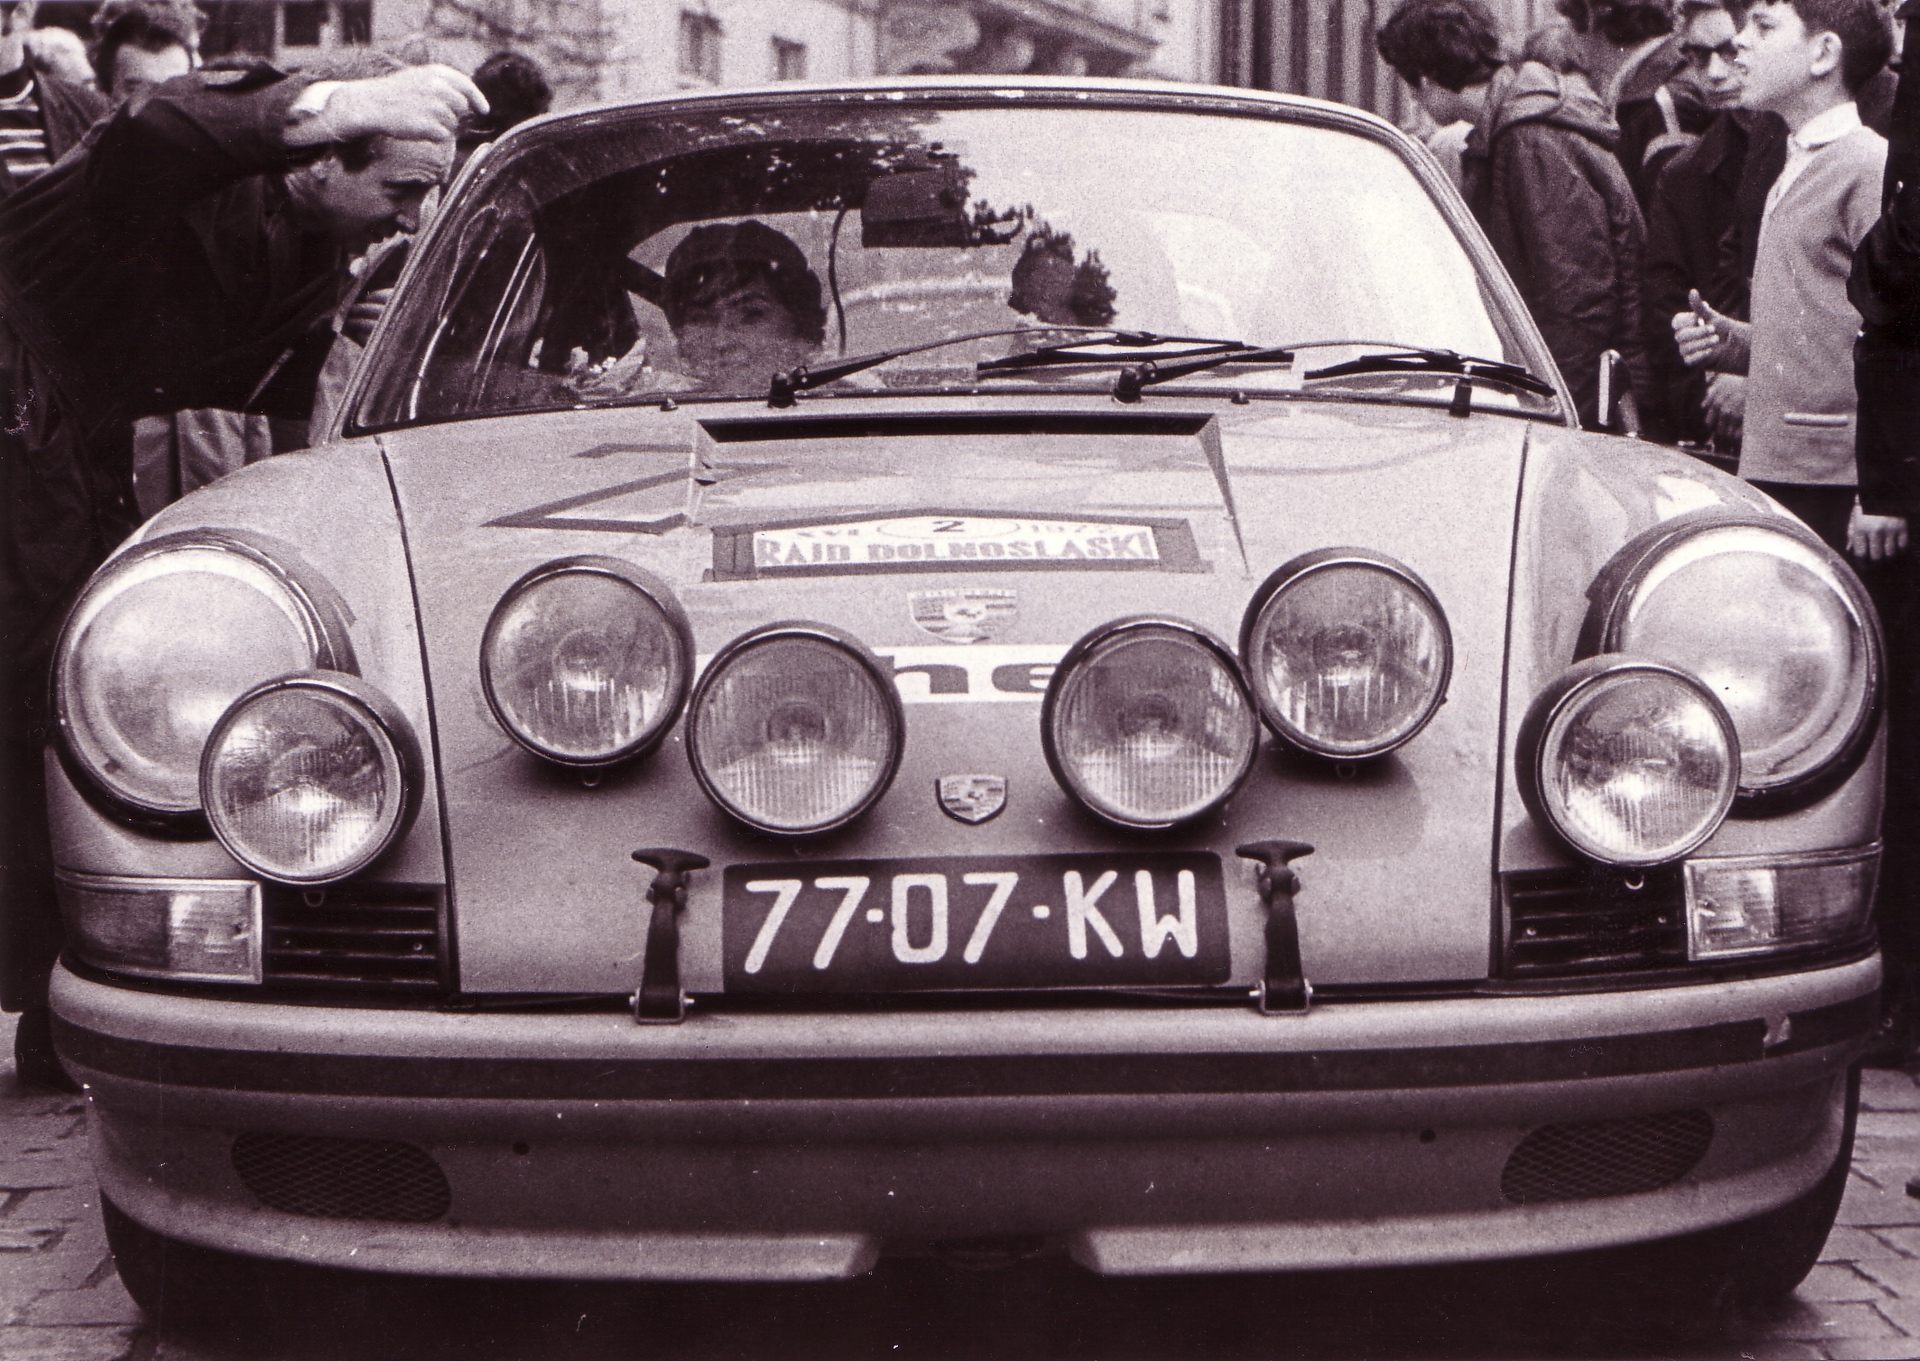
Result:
x=320 y=1178
x=380 y=937
x=1606 y=1157
x=1593 y=919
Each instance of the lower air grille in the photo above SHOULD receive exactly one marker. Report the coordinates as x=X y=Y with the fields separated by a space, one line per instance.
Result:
x=384 y=937
x=1606 y=1157
x=1592 y=919
x=342 y=1178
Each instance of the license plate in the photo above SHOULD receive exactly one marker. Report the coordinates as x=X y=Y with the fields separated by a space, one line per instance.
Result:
x=1036 y=921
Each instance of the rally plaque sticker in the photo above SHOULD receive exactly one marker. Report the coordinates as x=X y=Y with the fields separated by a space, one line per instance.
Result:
x=957 y=541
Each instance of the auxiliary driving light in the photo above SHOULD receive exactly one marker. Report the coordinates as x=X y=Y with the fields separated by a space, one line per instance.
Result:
x=1348 y=653
x=795 y=728
x=586 y=661
x=1147 y=722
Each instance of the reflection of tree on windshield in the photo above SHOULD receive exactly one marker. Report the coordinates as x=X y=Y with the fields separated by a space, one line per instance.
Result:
x=1048 y=284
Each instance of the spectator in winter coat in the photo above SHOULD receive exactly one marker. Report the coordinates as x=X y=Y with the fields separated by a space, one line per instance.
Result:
x=45 y=112
x=1626 y=50
x=1690 y=211
x=1541 y=176
x=1885 y=287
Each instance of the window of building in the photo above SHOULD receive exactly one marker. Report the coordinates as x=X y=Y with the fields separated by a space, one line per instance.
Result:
x=306 y=21
x=699 y=45
x=789 y=60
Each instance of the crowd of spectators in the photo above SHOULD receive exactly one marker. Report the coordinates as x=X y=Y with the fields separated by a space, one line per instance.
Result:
x=1700 y=197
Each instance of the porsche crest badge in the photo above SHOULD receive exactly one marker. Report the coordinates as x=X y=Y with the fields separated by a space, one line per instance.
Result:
x=968 y=614
x=971 y=798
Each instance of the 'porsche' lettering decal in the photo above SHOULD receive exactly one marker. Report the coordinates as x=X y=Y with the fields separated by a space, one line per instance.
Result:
x=985 y=673
x=948 y=541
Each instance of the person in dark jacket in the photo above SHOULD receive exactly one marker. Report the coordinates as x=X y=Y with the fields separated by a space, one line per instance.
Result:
x=1690 y=210
x=1628 y=52
x=171 y=263
x=1541 y=176
x=1885 y=287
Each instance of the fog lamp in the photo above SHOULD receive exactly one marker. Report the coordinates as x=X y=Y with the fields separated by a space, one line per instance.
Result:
x=1631 y=761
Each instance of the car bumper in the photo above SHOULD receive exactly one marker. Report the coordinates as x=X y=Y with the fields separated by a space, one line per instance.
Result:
x=770 y=1147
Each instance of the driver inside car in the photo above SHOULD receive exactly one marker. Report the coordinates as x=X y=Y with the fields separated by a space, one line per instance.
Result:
x=743 y=304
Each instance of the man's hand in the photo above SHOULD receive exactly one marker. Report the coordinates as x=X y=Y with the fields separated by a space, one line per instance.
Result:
x=1704 y=335
x=16 y=21
x=1875 y=538
x=1725 y=406
x=365 y=314
x=418 y=104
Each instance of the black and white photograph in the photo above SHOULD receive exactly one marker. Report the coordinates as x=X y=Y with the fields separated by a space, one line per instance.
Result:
x=959 y=680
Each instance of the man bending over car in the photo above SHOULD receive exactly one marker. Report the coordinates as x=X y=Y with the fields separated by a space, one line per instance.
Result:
x=172 y=264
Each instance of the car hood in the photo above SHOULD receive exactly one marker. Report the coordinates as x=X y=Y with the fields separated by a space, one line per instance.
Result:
x=1069 y=517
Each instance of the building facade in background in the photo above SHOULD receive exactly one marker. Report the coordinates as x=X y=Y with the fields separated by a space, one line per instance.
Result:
x=621 y=49
x=1325 y=48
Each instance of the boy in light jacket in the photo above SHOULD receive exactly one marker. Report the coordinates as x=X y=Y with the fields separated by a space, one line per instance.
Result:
x=1805 y=60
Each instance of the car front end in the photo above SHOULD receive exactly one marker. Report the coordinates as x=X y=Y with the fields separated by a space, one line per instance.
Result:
x=1195 y=805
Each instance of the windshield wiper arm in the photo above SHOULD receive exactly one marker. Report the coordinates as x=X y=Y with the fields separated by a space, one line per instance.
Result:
x=780 y=392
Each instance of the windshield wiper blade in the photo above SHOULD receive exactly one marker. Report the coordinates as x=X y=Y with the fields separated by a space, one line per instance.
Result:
x=1129 y=382
x=1071 y=351
x=780 y=392
x=1413 y=359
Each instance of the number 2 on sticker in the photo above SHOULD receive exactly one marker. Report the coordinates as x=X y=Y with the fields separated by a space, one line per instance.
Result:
x=947 y=526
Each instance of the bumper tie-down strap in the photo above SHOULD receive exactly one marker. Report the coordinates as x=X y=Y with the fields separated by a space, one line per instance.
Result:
x=660 y=1000
x=1284 y=988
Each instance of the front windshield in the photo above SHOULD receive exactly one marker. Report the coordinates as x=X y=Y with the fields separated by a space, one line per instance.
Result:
x=696 y=254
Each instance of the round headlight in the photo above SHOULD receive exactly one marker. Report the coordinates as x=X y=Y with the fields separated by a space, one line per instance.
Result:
x=1348 y=653
x=795 y=728
x=308 y=778
x=1147 y=723
x=162 y=640
x=1773 y=623
x=586 y=661
x=1631 y=761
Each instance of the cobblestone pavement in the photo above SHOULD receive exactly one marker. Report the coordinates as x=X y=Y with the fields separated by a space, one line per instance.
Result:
x=60 y=1299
